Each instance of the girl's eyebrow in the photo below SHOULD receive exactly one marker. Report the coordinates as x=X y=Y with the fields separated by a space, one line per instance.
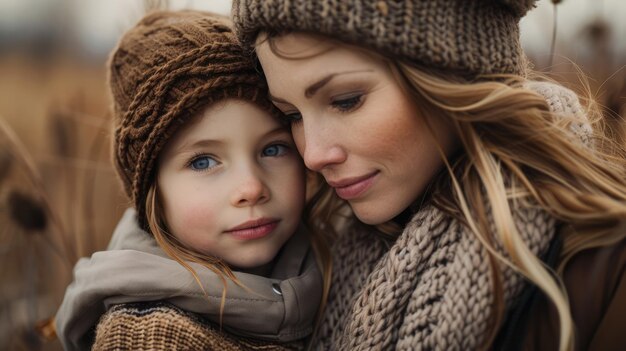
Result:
x=277 y=130
x=312 y=89
x=213 y=142
x=198 y=144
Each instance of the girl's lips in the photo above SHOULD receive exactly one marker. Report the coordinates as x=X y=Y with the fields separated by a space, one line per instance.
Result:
x=254 y=229
x=351 y=188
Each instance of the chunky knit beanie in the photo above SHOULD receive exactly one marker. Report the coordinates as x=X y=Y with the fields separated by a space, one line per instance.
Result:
x=164 y=71
x=469 y=37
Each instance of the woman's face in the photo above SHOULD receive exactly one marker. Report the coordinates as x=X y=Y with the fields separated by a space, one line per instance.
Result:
x=232 y=184
x=353 y=123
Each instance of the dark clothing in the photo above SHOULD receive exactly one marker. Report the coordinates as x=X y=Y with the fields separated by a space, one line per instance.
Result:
x=595 y=280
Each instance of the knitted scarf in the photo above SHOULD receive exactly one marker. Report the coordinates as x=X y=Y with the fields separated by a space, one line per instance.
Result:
x=431 y=290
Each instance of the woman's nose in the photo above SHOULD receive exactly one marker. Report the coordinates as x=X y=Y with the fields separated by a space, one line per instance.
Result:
x=320 y=146
x=250 y=190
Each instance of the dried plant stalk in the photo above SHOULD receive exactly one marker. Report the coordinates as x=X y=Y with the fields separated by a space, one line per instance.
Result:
x=6 y=160
x=20 y=155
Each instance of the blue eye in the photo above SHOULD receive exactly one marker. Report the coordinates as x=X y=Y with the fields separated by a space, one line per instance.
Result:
x=202 y=163
x=274 y=150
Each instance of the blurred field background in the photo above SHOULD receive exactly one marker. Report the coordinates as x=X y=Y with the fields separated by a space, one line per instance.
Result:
x=59 y=197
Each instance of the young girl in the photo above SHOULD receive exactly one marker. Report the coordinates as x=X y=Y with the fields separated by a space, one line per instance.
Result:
x=216 y=180
x=488 y=208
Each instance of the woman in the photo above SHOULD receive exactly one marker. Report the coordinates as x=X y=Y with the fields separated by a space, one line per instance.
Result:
x=486 y=210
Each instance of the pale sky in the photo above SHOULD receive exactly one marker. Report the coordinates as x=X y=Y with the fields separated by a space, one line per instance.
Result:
x=95 y=25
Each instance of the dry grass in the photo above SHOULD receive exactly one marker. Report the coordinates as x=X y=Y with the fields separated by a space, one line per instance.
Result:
x=36 y=259
x=59 y=196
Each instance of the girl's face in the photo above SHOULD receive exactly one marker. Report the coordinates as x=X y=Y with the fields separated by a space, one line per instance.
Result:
x=232 y=184
x=353 y=123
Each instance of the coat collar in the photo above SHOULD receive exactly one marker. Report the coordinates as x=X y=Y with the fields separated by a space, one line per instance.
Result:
x=281 y=307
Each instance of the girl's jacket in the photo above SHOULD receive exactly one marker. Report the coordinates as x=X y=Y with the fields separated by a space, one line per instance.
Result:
x=278 y=309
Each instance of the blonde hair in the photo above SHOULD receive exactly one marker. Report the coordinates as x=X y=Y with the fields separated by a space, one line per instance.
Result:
x=578 y=184
x=581 y=185
x=183 y=255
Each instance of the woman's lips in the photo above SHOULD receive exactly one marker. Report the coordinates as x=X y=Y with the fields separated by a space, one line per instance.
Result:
x=350 y=188
x=253 y=229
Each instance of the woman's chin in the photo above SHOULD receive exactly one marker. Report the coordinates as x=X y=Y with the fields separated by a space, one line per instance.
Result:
x=372 y=215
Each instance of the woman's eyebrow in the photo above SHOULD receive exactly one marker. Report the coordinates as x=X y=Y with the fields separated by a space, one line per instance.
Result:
x=312 y=89
x=276 y=131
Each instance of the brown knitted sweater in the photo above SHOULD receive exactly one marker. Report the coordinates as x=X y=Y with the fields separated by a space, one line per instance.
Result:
x=162 y=326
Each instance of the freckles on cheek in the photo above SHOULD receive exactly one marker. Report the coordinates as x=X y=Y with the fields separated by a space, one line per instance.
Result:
x=389 y=139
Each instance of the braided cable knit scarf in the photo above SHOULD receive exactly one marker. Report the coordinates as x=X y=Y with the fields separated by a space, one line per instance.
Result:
x=432 y=289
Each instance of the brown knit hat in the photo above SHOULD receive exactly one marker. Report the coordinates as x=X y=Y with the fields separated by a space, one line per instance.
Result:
x=164 y=71
x=469 y=37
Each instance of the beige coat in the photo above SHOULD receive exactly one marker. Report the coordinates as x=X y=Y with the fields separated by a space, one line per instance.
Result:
x=280 y=308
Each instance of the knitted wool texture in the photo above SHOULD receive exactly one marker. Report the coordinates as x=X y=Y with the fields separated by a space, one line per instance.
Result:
x=161 y=326
x=164 y=71
x=469 y=37
x=432 y=288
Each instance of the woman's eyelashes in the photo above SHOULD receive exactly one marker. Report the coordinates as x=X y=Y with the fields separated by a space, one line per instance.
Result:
x=342 y=103
x=347 y=102
x=293 y=117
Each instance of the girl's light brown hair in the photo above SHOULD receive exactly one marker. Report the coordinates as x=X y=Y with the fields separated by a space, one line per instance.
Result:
x=180 y=253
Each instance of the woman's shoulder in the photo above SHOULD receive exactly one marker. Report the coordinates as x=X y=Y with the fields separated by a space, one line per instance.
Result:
x=162 y=326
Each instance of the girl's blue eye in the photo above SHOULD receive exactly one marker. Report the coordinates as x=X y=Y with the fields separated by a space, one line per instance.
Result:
x=274 y=150
x=202 y=163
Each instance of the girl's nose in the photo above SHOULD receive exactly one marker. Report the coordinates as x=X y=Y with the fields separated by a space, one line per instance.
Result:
x=250 y=191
